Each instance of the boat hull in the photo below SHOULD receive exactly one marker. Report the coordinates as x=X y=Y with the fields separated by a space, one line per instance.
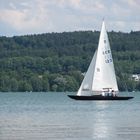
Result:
x=100 y=97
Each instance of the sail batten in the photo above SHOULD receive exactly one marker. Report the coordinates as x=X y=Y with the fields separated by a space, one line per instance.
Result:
x=100 y=75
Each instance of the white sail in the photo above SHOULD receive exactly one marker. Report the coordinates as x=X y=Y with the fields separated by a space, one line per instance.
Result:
x=101 y=74
x=86 y=86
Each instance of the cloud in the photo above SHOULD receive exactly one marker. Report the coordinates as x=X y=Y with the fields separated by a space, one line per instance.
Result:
x=13 y=18
x=38 y=16
x=24 y=17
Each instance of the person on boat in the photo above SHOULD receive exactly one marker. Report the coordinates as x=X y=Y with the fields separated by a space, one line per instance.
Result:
x=103 y=93
x=113 y=93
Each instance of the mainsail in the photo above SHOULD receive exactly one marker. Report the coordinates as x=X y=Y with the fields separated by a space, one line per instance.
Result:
x=100 y=75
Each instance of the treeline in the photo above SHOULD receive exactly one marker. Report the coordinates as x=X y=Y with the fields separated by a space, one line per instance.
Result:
x=57 y=61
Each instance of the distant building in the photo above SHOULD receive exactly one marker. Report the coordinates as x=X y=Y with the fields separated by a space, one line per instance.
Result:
x=136 y=77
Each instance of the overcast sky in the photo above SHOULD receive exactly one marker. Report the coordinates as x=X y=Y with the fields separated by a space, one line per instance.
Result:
x=20 y=17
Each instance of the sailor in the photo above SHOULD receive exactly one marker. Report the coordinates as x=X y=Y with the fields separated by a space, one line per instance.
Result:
x=113 y=93
x=110 y=92
x=103 y=93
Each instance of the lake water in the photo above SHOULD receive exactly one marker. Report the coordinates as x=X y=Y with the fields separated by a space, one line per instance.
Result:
x=54 y=116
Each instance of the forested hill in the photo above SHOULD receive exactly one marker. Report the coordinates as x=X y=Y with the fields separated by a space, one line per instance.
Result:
x=57 y=61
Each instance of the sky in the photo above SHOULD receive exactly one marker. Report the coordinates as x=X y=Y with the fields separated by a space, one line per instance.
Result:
x=22 y=17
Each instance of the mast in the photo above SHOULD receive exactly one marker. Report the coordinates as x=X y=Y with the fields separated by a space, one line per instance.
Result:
x=104 y=75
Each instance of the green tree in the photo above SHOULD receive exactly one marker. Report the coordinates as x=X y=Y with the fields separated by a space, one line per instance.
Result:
x=24 y=86
x=54 y=87
x=61 y=82
x=72 y=84
x=36 y=83
x=14 y=84
x=5 y=83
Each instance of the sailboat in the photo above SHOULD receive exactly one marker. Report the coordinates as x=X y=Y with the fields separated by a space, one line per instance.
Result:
x=100 y=81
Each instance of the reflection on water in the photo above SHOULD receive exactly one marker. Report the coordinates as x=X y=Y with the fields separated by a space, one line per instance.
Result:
x=53 y=116
x=101 y=127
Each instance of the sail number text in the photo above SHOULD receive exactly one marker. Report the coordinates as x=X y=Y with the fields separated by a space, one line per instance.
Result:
x=108 y=57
